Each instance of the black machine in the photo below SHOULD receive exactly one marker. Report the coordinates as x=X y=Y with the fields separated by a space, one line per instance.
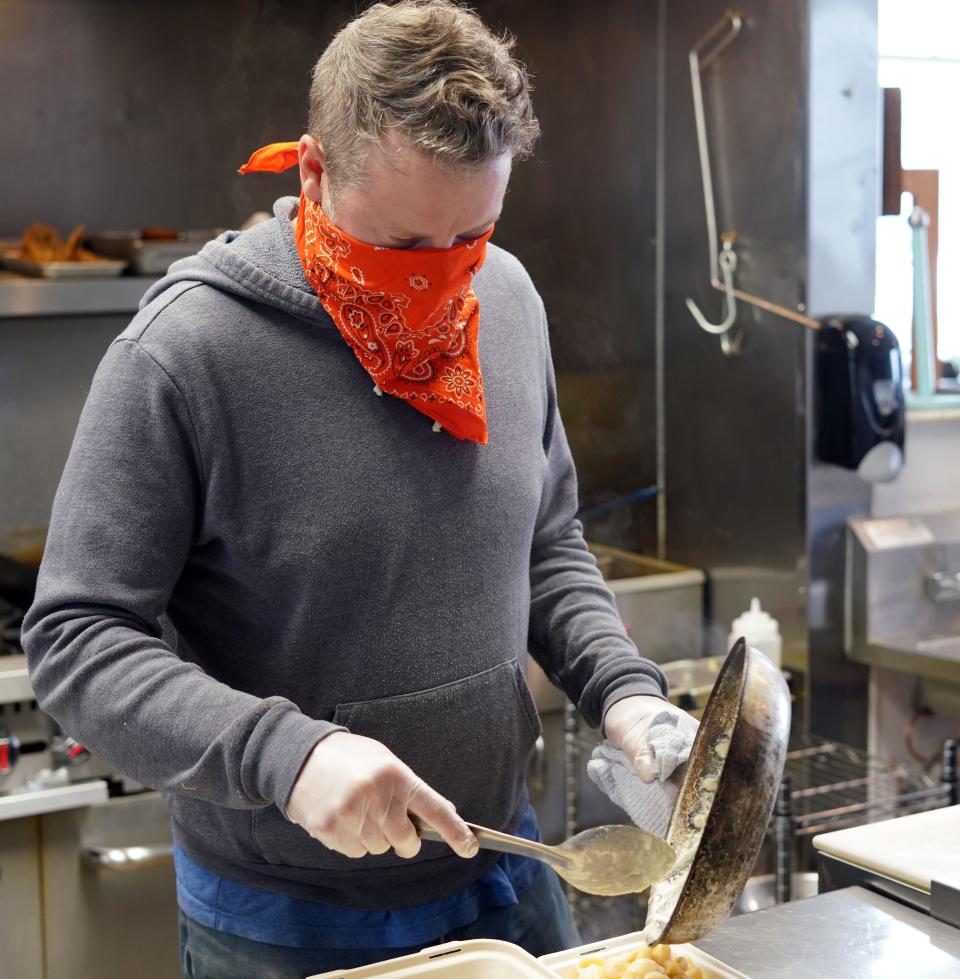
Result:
x=861 y=407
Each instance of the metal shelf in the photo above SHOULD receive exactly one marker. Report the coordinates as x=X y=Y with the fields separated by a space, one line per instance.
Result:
x=24 y=297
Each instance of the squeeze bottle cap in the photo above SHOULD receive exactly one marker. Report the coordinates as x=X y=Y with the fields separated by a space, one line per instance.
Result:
x=756 y=622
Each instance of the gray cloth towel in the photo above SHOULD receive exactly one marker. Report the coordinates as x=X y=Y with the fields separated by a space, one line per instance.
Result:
x=648 y=804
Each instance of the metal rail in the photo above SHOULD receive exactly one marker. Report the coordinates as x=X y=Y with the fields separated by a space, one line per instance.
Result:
x=127 y=858
x=832 y=786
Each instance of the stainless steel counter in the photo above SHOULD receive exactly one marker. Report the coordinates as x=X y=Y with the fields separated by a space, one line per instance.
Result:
x=852 y=933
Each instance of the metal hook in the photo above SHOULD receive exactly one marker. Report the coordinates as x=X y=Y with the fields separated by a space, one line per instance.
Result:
x=728 y=264
x=726 y=261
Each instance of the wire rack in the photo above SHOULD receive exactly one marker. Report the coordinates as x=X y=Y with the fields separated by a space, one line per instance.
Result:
x=833 y=785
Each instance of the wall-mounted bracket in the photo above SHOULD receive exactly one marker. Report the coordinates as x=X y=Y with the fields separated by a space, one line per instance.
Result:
x=722 y=254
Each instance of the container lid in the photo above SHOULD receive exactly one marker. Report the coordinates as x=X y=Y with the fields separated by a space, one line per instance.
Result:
x=481 y=958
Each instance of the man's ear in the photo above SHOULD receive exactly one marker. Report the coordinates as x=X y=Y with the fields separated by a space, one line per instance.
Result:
x=312 y=165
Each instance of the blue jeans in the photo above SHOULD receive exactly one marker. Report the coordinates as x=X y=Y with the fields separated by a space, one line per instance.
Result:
x=540 y=923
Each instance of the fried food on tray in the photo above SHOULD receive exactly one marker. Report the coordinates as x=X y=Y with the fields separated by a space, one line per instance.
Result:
x=41 y=243
x=642 y=961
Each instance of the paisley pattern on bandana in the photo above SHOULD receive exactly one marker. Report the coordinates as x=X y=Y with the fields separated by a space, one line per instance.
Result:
x=410 y=316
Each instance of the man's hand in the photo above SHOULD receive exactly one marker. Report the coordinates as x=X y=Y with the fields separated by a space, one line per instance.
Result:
x=627 y=724
x=354 y=796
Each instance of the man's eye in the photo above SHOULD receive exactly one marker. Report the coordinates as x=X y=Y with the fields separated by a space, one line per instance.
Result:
x=402 y=244
x=472 y=236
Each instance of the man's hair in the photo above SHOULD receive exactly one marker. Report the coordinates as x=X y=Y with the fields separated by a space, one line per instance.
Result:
x=429 y=69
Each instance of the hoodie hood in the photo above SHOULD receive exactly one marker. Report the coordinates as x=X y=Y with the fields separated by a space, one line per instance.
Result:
x=260 y=264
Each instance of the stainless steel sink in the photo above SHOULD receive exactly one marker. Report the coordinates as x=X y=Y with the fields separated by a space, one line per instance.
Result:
x=903 y=596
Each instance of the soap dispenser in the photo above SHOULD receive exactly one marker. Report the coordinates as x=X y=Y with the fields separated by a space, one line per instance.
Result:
x=861 y=408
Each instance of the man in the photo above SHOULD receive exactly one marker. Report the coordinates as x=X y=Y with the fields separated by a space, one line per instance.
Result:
x=319 y=505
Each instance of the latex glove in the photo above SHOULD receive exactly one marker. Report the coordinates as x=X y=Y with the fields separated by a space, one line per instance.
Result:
x=641 y=727
x=355 y=796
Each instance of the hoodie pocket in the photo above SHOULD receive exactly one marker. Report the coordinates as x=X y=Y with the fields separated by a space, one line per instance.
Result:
x=469 y=740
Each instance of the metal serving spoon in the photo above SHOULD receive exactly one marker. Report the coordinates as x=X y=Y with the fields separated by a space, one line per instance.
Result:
x=606 y=860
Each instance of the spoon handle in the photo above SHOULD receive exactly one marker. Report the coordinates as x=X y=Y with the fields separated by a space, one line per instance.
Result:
x=490 y=839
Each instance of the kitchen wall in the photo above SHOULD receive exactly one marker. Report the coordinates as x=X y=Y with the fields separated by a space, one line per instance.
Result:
x=125 y=114
x=46 y=365
x=138 y=114
x=930 y=480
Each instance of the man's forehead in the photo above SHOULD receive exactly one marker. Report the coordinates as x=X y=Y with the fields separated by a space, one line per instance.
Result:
x=396 y=151
x=414 y=192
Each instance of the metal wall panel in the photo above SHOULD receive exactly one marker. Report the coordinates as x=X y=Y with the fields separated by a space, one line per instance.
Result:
x=123 y=115
x=45 y=372
x=139 y=114
x=735 y=426
x=580 y=215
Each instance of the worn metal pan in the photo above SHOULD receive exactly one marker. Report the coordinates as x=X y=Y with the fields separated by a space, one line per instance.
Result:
x=725 y=800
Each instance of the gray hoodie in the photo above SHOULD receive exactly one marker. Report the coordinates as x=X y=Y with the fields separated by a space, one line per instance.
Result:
x=250 y=549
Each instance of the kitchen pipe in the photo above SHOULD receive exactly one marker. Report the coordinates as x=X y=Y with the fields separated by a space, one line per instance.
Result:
x=924 y=354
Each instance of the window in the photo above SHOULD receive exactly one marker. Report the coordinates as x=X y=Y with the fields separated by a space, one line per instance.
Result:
x=920 y=55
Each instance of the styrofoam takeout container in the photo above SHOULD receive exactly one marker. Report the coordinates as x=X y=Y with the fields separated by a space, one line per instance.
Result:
x=475 y=959
x=487 y=959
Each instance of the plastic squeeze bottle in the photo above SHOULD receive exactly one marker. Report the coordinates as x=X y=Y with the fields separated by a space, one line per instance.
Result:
x=761 y=630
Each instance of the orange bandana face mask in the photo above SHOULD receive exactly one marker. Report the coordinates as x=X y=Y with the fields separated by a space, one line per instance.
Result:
x=409 y=315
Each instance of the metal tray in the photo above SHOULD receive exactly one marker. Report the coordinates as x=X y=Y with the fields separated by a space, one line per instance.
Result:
x=101 y=269
x=150 y=256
